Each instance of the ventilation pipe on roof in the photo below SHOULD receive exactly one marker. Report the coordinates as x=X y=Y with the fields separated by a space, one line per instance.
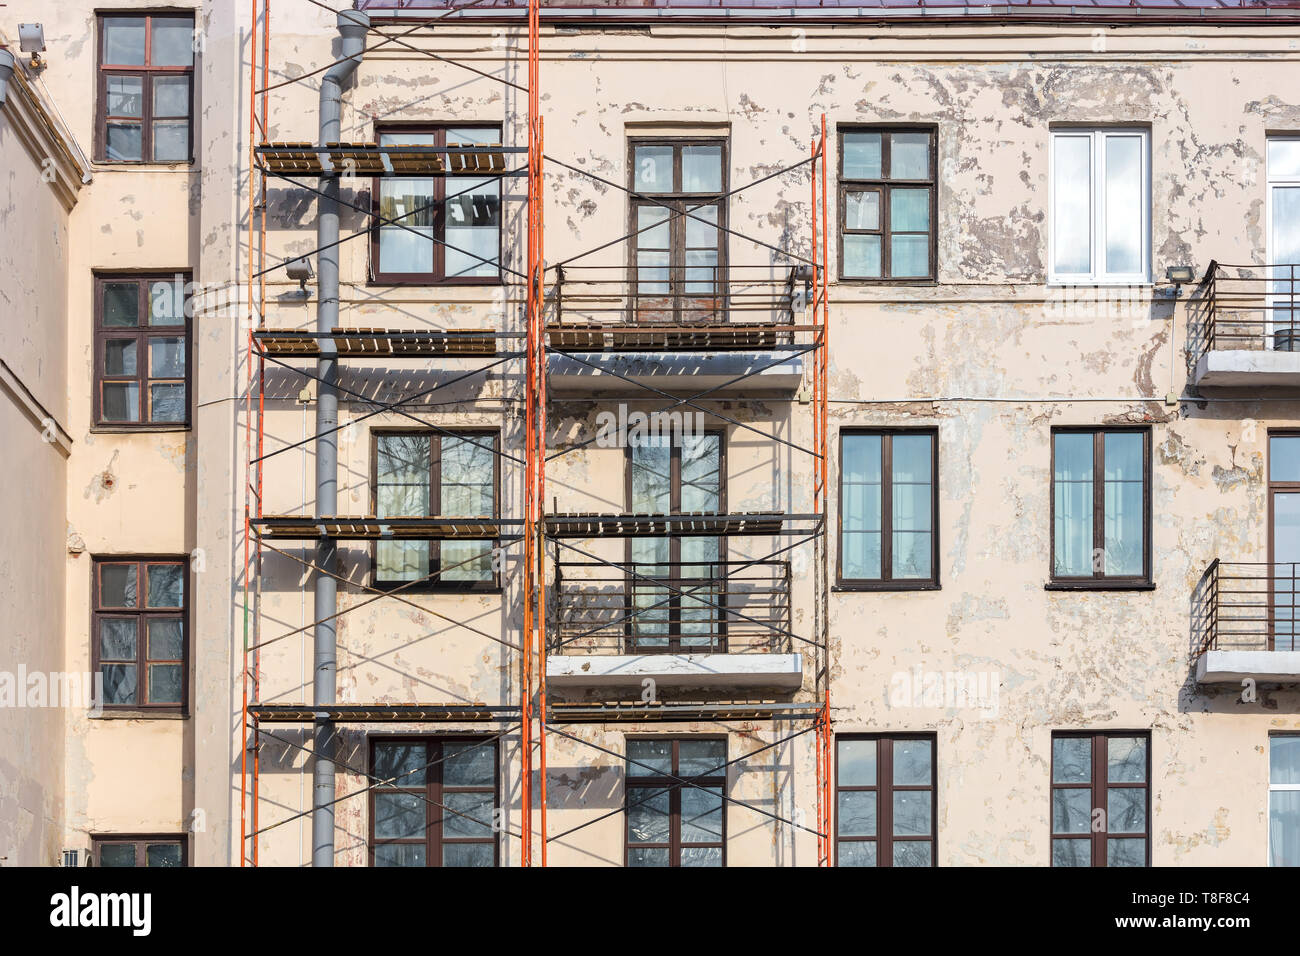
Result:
x=352 y=27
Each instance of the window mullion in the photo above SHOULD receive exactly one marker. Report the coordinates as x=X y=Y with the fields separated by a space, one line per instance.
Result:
x=886 y=507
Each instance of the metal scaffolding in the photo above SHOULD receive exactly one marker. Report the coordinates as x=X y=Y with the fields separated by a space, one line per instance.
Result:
x=548 y=332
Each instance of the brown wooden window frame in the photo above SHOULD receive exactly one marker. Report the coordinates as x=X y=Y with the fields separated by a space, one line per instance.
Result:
x=141 y=334
x=142 y=614
x=684 y=306
x=1097 y=786
x=141 y=842
x=884 y=789
x=146 y=72
x=669 y=783
x=432 y=793
x=1100 y=580
x=438 y=275
x=436 y=437
x=883 y=186
x=1285 y=600
x=887 y=582
x=675 y=562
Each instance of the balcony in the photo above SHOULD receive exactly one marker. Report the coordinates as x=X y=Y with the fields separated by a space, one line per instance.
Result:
x=1249 y=327
x=720 y=627
x=726 y=331
x=1247 y=623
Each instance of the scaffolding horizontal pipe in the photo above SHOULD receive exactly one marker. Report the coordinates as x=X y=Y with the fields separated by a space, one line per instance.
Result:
x=432 y=528
x=371 y=343
x=702 y=523
x=370 y=159
x=375 y=713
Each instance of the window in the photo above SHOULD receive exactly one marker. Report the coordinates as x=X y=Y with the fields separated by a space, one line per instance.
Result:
x=141 y=359
x=439 y=808
x=1100 y=812
x=1101 y=507
x=1284 y=238
x=670 y=823
x=887 y=203
x=678 y=476
x=889 y=509
x=1283 y=540
x=1284 y=800
x=131 y=850
x=1101 y=206
x=146 y=71
x=139 y=641
x=885 y=801
x=678 y=260
x=444 y=229
x=421 y=474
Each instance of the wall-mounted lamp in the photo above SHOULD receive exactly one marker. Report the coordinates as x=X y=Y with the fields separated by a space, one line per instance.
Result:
x=6 y=71
x=300 y=270
x=31 y=39
x=1180 y=275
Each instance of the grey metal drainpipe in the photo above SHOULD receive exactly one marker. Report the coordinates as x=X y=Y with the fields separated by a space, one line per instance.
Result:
x=352 y=27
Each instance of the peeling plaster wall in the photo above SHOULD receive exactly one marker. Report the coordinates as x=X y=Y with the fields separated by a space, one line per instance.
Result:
x=33 y=398
x=991 y=356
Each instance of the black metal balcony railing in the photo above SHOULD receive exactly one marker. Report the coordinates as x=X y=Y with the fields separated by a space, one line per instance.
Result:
x=733 y=607
x=598 y=307
x=1251 y=307
x=1248 y=606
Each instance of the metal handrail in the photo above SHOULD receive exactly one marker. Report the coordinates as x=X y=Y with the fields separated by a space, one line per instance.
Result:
x=1248 y=605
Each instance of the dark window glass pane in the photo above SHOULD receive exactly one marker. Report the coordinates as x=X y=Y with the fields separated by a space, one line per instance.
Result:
x=467 y=854
x=1071 y=759
x=121 y=402
x=857 y=813
x=125 y=95
x=648 y=815
x=1284 y=458
x=119 y=683
x=702 y=856
x=468 y=765
x=167 y=403
x=124 y=41
x=1126 y=809
x=167 y=302
x=701 y=815
x=467 y=815
x=166 y=357
x=399 y=854
x=701 y=169
x=911 y=810
x=117 y=854
x=912 y=763
x=862 y=210
x=165 y=683
x=398 y=815
x=125 y=142
x=171 y=141
x=402 y=763
x=909 y=156
x=1073 y=504
x=1071 y=810
x=857 y=763
x=1072 y=852
x=1126 y=759
x=117 y=638
x=121 y=304
x=1284 y=759
x=166 y=639
x=172 y=41
x=119 y=357
x=653 y=169
x=166 y=585
x=117 y=585
x=163 y=854
x=857 y=853
x=1126 y=852
x=472 y=227
x=647 y=856
x=171 y=96
x=862 y=256
x=696 y=757
x=913 y=853
x=862 y=156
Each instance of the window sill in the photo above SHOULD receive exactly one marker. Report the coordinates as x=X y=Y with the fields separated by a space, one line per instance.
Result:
x=1054 y=283
x=107 y=714
x=888 y=586
x=129 y=429
x=179 y=166
x=448 y=589
x=869 y=283
x=380 y=282
x=1099 y=586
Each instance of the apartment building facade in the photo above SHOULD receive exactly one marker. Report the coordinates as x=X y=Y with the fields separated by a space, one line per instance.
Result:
x=1042 y=574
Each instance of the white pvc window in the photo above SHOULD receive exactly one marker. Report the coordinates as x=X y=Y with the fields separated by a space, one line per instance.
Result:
x=1100 y=229
x=1283 y=255
x=1284 y=800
